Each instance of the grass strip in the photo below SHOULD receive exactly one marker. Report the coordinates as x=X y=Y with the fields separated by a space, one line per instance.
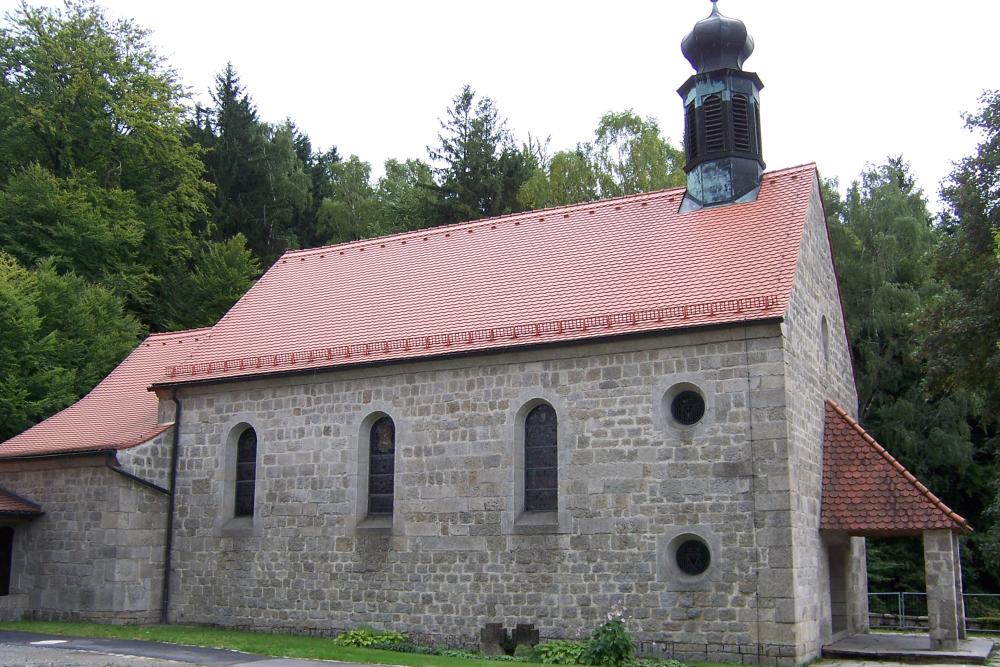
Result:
x=262 y=643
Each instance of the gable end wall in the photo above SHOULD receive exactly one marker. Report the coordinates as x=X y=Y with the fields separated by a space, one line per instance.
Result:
x=812 y=376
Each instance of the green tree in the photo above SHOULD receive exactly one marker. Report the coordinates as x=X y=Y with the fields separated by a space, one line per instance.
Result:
x=318 y=168
x=78 y=225
x=92 y=329
x=59 y=335
x=481 y=169
x=261 y=185
x=350 y=212
x=963 y=323
x=87 y=101
x=406 y=197
x=884 y=244
x=630 y=156
x=568 y=177
x=219 y=274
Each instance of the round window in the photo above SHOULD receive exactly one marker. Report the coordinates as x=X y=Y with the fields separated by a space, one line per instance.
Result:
x=693 y=557
x=688 y=407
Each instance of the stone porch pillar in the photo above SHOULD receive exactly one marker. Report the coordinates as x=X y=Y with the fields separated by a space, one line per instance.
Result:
x=958 y=587
x=857 y=582
x=940 y=559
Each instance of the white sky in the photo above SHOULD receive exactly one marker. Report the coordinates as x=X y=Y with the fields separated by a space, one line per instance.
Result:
x=845 y=82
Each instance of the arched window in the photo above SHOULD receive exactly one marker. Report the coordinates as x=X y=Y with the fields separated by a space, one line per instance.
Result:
x=381 y=466
x=246 y=472
x=541 y=468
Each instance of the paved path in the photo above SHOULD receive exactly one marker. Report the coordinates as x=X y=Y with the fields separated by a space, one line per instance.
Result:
x=18 y=649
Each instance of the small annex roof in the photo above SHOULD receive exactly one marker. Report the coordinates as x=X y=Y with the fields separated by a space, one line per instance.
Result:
x=868 y=492
x=609 y=267
x=13 y=506
x=118 y=413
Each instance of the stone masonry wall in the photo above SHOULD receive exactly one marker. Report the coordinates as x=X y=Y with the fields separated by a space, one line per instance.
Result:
x=818 y=366
x=96 y=553
x=633 y=483
x=150 y=460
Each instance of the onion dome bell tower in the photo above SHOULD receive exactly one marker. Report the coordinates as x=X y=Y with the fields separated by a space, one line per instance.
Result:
x=721 y=115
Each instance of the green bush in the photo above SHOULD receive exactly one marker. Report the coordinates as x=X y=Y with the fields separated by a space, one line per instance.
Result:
x=505 y=658
x=458 y=653
x=610 y=646
x=562 y=651
x=365 y=637
x=406 y=647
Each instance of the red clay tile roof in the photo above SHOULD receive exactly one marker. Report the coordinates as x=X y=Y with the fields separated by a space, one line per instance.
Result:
x=118 y=413
x=868 y=492
x=590 y=270
x=12 y=504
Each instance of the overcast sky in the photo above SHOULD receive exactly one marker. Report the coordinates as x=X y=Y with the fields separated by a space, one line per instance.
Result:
x=845 y=82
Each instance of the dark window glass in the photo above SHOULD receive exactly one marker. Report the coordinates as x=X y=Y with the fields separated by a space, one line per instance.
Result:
x=246 y=472
x=688 y=407
x=693 y=557
x=690 y=132
x=6 y=558
x=714 y=130
x=381 y=466
x=741 y=123
x=541 y=469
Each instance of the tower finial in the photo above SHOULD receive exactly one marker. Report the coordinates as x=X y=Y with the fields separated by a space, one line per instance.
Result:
x=721 y=114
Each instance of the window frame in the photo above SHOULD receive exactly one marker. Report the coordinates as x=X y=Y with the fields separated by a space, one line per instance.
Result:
x=532 y=470
x=514 y=519
x=228 y=522
x=381 y=422
x=245 y=485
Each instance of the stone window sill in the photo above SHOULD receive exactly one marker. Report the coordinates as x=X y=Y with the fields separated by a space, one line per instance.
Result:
x=536 y=523
x=240 y=526
x=375 y=525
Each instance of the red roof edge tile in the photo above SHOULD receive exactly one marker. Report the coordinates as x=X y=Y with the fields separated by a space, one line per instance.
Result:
x=12 y=504
x=959 y=522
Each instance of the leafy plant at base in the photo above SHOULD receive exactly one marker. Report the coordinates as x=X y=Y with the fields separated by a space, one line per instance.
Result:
x=610 y=645
x=657 y=662
x=562 y=651
x=365 y=637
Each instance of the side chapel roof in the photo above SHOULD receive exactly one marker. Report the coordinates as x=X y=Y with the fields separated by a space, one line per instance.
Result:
x=13 y=506
x=615 y=266
x=118 y=413
x=868 y=492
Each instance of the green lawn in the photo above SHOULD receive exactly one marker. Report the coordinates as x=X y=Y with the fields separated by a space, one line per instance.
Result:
x=278 y=645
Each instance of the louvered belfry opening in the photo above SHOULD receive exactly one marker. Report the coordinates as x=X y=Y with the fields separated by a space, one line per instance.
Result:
x=741 y=123
x=715 y=128
x=719 y=128
x=721 y=115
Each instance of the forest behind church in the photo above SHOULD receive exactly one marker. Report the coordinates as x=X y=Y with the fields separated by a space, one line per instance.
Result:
x=127 y=209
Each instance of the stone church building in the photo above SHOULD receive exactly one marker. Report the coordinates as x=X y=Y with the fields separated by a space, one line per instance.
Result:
x=646 y=401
